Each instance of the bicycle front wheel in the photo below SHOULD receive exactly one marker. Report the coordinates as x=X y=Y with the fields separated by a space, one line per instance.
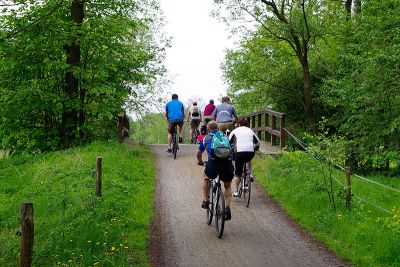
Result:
x=219 y=213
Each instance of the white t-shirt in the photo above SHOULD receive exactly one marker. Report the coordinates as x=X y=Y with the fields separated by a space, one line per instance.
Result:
x=191 y=113
x=244 y=139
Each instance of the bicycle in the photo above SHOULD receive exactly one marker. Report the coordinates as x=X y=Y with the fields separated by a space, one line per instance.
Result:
x=175 y=146
x=216 y=208
x=195 y=133
x=245 y=186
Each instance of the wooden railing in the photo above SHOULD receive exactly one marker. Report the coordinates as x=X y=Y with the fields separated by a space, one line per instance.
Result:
x=270 y=125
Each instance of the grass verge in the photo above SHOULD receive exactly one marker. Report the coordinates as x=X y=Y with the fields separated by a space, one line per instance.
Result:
x=72 y=226
x=368 y=234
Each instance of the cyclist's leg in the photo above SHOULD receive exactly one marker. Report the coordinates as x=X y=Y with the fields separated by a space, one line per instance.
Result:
x=192 y=127
x=249 y=166
x=170 y=131
x=180 y=124
x=226 y=176
x=239 y=164
x=205 y=190
x=210 y=172
x=228 y=193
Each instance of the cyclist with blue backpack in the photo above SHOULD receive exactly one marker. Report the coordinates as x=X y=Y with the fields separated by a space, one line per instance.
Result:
x=219 y=164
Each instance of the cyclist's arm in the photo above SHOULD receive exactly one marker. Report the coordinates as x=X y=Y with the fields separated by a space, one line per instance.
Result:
x=166 y=113
x=188 y=116
x=234 y=114
x=199 y=157
x=214 y=114
x=256 y=141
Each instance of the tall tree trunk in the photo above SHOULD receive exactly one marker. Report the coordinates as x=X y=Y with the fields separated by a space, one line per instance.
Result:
x=308 y=96
x=347 y=4
x=357 y=7
x=70 y=114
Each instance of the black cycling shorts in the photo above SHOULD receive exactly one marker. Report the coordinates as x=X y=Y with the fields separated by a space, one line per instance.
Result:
x=242 y=158
x=223 y=168
x=195 y=122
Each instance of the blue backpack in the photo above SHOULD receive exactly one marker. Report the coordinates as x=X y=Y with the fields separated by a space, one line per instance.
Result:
x=220 y=146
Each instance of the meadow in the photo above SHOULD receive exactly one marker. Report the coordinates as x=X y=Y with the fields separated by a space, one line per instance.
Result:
x=73 y=227
x=368 y=233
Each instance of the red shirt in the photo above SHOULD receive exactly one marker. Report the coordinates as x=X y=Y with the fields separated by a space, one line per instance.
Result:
x=208 y=109
x=200 y=138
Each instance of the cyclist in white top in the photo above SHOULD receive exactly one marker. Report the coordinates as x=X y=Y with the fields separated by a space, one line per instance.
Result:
x=194 y=116
x=246 y=142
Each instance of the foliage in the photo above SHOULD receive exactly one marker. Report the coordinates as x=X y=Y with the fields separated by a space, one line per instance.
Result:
x=120 y=64
x=72 y=226
x=152 y=129
x=296 y=181
x=364 y=90
x=353 y=72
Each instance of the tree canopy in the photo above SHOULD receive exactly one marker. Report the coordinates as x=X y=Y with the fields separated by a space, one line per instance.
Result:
x=344 y=52
x=69 y=67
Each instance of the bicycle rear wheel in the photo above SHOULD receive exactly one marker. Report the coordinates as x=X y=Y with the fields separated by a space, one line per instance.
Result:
x=210 y=210
x=246 y=192
x=219 y=213
x=174 y=145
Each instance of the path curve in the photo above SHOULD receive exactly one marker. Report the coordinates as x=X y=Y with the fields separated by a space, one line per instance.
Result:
x=179 y=235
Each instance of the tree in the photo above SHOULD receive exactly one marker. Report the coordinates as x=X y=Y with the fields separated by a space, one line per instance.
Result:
x=297 y=24
x=71 y=66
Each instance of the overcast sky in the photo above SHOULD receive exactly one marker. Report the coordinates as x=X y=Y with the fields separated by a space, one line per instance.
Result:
x=198 y=44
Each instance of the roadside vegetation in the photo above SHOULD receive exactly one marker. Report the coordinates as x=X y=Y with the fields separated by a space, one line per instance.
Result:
x=152 y=129
x=365 y=234
x=73 y=227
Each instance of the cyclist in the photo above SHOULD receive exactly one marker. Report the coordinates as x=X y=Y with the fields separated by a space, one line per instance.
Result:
x=203 y=132
x=208 y=110
x=215 y=167
x=224 y=114
x=245 y=143
x=174 y=112
x=195 y=117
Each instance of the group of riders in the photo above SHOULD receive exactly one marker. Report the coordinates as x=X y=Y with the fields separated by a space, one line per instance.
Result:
x=219 y=118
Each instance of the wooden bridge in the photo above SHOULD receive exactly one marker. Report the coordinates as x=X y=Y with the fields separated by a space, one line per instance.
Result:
x=269 y=126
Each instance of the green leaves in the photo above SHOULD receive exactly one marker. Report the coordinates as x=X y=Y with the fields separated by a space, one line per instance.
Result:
x=120 y=55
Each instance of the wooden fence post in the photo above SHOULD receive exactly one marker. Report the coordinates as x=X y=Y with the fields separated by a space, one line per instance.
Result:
x=273 y=126
x=267 y=136
x=27 y=235
x=98 y=176
x=348 y=185
x=283 y=134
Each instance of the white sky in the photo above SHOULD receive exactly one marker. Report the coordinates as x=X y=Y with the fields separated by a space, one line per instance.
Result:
x=198 y=44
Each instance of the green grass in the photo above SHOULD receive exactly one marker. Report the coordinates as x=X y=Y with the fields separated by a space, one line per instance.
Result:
x=72 y=226
x=366 y=235
x=152 y=129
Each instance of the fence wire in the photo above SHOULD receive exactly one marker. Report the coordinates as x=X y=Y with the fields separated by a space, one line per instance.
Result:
x=306 y=148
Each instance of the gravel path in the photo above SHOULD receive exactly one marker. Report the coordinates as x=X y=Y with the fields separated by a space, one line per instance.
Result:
x=261 y=235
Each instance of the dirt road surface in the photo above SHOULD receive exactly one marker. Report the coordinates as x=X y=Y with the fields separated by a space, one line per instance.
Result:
x=261 y=235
